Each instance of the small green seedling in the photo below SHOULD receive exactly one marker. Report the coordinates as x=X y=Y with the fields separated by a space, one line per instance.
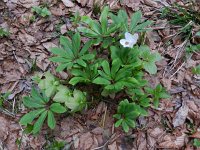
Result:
x=126 y=115
x=158 y=93
x=38 y=102
x=196 y=143
x=70 y=54
x=4 y=97
x=193 y=48
x=196 y=70
x=74 y=100
x=3 y=32
x=49 y=84
x=55 y=145
x=41 y=11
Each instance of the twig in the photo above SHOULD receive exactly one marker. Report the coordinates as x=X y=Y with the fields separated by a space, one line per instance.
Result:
x=177 y=70
x=104 y=117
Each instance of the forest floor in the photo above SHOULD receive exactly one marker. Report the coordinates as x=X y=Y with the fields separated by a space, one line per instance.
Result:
x=173 y=125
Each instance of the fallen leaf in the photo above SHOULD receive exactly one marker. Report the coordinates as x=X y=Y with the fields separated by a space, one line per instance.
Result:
x=113 y=146
x=4 y=124
x=68 y=3
x=180 y=115
x=86 y=141
x=29 y=3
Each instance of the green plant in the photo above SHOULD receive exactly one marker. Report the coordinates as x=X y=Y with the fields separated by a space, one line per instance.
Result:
x=74 y=100
x=193 y=48
x=70 y=54
x=3 y=32
x=157 y=93
x=55 y=145
x=38 y=102
x=196 y=70
x=136 y=24
x=84 y=75
x=137 y=56
x=119 y=71
x=4 y=97
x=41 y=11
x=196 y=143
x=127 y=114
x=114 y=78
x=101 y=32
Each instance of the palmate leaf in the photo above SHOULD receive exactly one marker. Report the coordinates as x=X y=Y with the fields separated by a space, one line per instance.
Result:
x=126 y=115
x=71 y=55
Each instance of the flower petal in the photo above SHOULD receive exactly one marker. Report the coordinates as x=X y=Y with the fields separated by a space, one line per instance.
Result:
x=128 y=36
x=123 y=42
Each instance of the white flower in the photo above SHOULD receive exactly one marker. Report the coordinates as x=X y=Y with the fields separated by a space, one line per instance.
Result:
x=129 y=40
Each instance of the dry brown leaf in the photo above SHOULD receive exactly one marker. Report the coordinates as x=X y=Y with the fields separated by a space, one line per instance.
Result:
x=86 y=141
x=4 y=124
x=68 y=3
x=180 y=115
x=29 y=3
x=49 y=45
x=27 y=39
x=134 y=4
x=113 y=146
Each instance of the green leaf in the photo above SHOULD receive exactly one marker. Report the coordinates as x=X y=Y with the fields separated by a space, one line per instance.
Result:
x=118 y=123
x=30 y=103
x=142 y=26
x=104 y=20
x=130 y=123
x=59 y=59
x=57 y=108
x=81 y=62
x=36 y=96
x=125 y=126
x=88 y=56
x=62 y=94
x=66 y=44
x=101 y=81
x=116 y=63
x=87 y=32
x=196 y=142
x=59 y=51
x=76 y=80
x=150 y=67
x=135 y=19
x=86 y=47
x=92 y=24
x=29 y=117
x=76 y=43
x=62 y=67
x=38 y=124
x=106 y=67
x=51 y=120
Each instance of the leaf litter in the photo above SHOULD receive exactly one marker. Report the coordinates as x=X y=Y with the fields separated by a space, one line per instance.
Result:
x=27 y=48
